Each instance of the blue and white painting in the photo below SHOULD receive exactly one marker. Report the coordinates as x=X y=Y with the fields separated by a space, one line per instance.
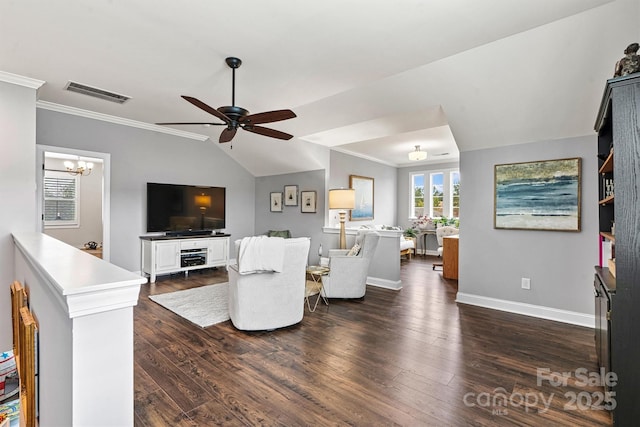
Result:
x=363 y=187
x=542 y=195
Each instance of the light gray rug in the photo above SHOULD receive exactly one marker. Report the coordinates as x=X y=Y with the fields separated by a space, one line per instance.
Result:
x=204 y=306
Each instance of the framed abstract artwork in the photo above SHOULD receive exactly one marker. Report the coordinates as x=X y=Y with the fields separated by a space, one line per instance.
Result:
x=363 y=187
x=541 y=195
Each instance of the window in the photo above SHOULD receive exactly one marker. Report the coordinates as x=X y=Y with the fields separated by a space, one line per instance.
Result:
x=417 y=200
x=455 y=194
x=439 y=197
x=60 y=199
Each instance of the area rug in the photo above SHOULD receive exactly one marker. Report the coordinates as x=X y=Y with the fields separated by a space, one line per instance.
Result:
x=204 y=306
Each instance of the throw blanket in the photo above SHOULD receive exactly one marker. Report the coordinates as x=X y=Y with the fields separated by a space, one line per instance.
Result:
x=261 y=253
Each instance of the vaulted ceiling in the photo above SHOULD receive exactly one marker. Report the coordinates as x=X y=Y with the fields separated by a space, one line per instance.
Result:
x=369 y=78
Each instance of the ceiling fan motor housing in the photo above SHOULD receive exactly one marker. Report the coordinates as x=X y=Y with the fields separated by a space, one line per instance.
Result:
x=234 y=113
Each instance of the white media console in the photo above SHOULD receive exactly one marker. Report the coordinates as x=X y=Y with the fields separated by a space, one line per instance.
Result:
x=168 y=254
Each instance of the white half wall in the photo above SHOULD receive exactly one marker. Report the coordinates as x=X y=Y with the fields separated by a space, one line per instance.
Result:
x=493 y=262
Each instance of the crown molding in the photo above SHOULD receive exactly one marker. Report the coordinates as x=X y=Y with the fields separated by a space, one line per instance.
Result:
x=45 y=105
x=20 y=80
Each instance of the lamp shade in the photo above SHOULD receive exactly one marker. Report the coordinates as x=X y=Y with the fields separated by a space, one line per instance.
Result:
x=203 y=201
x=342 y=198
x=417 y=154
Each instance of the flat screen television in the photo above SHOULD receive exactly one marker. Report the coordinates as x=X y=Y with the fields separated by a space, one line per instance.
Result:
x=185 y=209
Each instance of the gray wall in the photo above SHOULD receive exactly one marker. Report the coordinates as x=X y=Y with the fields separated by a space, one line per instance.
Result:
x=559 y=264
x=384 y=187
x=17 y=185
x=139 y=156
x=291 y=218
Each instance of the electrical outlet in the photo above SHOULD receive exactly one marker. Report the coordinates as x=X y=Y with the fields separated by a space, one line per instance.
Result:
x=526 y=283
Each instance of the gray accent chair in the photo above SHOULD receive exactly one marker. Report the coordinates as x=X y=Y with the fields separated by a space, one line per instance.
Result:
x=348 y=273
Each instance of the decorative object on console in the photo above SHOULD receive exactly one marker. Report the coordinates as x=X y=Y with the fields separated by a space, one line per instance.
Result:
x=363 y=187
x=417 y=154
x=423 y=222
x=541 y=195
x=276 y=202
x=630 y=64
x=291 y=195
x=343 y=199
x=308 y=202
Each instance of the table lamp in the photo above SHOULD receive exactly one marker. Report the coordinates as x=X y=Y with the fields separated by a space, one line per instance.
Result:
x=343 y=199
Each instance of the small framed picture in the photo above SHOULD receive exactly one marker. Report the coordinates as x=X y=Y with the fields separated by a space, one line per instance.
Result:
x=291 y=195
x=308 y=201
x=276 y=202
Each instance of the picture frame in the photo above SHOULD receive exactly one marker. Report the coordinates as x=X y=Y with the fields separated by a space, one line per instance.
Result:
x=275 y=202
x=308 y=202
x=291 y=195
x=363 y=187
x=539 y=195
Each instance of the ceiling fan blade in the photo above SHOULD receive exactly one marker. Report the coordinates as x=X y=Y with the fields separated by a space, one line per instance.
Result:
x=268 y=117
x=268 y=132
x=207 y=108
x=228 y=134
x=193 y=123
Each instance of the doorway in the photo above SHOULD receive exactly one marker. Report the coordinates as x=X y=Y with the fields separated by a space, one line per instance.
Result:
x=79 y=213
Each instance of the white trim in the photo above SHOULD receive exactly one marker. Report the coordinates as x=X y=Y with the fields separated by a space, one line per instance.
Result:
x=549 y=313
x=118 y=120
x=21 y=80
x=395 y=285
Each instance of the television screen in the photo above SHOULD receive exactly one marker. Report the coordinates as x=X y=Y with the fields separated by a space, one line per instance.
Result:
x=179 y=208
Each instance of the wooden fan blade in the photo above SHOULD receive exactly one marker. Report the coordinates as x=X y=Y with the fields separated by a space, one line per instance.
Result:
x=228 y=134
x=268 y=117
x=207 y=108
x=268 y=132
x=193 y=123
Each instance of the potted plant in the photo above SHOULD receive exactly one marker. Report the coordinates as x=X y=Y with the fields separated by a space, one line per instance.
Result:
x=410 y=232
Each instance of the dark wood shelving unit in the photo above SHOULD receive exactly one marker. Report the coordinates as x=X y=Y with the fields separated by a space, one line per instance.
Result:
x=617 y=296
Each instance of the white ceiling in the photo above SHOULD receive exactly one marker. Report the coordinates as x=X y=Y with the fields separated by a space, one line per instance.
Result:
x=370 y=78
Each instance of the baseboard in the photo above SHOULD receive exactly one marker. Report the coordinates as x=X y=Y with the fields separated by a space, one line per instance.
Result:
x=564 y=316
x=384 y=283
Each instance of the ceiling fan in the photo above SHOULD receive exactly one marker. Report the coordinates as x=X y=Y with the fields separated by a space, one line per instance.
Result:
x=235 y=117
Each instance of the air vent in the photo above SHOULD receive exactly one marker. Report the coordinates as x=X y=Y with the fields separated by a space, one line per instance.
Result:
x=96 y=93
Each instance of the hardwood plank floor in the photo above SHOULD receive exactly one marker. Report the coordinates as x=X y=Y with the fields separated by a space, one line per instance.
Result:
x=411 y=357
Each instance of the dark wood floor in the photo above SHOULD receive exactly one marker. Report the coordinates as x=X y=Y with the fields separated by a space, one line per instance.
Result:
x=411 y=357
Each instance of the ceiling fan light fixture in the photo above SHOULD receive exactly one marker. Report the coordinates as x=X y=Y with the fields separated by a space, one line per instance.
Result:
x=417 y=155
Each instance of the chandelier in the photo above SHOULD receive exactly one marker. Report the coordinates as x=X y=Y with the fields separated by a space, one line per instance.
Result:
x=417 y=154
x=81 y=168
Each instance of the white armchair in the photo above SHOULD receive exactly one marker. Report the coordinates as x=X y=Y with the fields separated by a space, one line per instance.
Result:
x=270 y=300
x=441 y=232
x=347 y=277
